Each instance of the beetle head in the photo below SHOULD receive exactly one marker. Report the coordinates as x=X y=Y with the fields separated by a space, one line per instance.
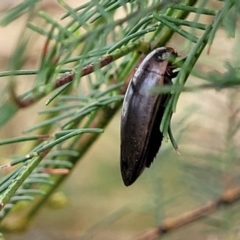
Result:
x=165 y=53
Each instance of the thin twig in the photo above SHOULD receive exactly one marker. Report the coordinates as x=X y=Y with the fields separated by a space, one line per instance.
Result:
x=227 y=199
x=67 y=78
x=85 y=71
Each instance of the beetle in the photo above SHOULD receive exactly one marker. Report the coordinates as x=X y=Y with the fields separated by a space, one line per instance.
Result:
x=142 y=113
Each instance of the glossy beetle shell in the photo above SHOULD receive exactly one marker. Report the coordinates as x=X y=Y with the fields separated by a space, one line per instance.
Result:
x=142 y=113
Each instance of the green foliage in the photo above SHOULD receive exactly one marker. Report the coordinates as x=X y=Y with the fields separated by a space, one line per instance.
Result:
x=97 y=52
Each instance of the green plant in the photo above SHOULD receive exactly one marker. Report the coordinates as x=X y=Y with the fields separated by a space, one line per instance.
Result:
x=93 y=40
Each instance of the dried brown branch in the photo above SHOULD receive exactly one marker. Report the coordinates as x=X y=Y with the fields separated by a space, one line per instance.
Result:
x=67 y=78
x=85 y=71
x=227 y=199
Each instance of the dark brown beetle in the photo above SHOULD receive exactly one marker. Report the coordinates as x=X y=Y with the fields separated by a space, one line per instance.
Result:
x=143 y=111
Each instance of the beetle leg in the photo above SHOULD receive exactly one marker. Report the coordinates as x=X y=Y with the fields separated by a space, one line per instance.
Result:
x=174 y=74
x=175 y=66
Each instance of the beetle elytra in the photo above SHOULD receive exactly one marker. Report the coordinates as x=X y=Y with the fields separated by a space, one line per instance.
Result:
x=142 y=113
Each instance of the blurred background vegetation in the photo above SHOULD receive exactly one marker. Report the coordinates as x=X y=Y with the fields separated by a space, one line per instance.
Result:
x=93 y=203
